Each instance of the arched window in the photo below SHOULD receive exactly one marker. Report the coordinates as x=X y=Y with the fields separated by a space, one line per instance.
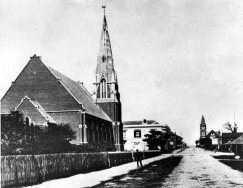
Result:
x=103 y=88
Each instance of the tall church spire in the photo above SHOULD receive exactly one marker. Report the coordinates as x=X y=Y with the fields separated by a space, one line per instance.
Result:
x=106 y=90
x=105 y=67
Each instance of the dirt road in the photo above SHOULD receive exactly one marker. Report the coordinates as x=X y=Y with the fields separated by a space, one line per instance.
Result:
x=196 y=168
x=199 y=169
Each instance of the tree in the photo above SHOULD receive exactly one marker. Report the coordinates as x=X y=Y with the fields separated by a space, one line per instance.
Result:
x=230 y=127
x=156 y=139
x=53 y=138
x=20 y=137
x=13 y=130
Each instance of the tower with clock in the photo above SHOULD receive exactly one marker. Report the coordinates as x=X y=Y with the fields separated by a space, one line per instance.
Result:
x=106 y=91
x=203 y=130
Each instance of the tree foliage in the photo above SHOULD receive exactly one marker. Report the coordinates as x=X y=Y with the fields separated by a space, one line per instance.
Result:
x=156 y=139
x=230 y=127
x=20 y=137
x=12 y=131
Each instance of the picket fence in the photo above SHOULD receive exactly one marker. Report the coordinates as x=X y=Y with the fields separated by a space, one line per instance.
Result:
x=23 y=170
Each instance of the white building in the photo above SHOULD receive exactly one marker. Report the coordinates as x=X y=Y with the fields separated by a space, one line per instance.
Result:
x=134 y=131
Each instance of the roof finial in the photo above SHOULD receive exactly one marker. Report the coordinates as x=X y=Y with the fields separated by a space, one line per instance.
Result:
x=104 y=8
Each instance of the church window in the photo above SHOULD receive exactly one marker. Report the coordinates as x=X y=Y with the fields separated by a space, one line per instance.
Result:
x=103 y=88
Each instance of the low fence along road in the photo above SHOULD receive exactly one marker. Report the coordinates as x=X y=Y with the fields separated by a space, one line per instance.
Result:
x=19 y=170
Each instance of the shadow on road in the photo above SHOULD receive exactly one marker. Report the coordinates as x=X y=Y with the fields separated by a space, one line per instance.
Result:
x=236 y=164
x=152 y=175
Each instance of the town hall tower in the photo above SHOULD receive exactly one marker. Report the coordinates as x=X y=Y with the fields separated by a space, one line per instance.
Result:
x=203 y=133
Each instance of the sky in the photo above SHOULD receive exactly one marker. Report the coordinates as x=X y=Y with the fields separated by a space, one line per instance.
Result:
x=176 y=60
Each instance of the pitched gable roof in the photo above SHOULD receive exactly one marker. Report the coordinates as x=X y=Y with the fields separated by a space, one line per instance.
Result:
x=53 y=90
x=43 y=114
x=238 y=140
x=232 y=135
x=80 y=94
x=215 y=134
x=39 y=83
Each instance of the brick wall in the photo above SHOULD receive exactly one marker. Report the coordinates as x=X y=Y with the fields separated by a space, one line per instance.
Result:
x=98 y=129
x=30 y=110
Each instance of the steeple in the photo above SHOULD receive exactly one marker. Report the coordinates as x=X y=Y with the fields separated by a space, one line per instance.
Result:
x=105 y=67
x=106 y=90
x=106 y=77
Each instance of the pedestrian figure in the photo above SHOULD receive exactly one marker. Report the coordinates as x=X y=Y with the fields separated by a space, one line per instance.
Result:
x=138 y=158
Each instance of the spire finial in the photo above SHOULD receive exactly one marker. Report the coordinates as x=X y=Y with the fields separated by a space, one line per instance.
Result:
x=104 y=8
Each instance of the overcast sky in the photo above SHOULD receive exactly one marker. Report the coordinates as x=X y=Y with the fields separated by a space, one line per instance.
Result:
x=176 y=60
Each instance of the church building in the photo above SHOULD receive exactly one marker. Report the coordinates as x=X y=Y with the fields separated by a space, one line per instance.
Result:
x=45 y=95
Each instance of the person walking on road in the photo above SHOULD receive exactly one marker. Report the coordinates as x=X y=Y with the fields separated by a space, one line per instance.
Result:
x=138 y=158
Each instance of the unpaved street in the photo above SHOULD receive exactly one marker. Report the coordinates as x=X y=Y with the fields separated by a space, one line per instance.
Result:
x=199 y=169
x=150 y=176
x=194 y=168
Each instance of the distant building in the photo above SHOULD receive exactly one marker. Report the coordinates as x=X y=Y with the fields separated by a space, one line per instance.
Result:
x=203 y=130
x=236 y=146
x=213 y=139
x=228 y=137
x=134 y=131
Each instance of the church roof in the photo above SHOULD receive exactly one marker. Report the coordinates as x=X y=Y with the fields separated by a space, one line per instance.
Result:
x=37 y=81
x=80 y=93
